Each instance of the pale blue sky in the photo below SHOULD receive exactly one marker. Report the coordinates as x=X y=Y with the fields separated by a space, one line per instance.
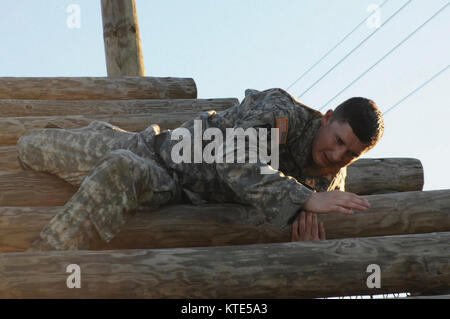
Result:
x=228 y=46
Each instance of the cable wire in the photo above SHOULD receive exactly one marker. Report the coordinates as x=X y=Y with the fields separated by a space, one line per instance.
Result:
x=417 y=89
x=386 y=55
x=355 y=48
x=332 y=49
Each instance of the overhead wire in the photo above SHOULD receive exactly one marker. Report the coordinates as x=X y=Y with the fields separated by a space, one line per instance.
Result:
x=332 y=49
x=355 y=48
x=416 y=89
x=386 y=55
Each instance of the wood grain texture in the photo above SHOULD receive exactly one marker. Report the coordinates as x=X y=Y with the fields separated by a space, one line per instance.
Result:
x=28 y=188
x=123 y=46
x=12 y=128
x=281 y=270
x=132 y=115
x=34 y=180
x=21 y=108
x=9 y=158
x=97 y=88
x=388 y=174
x=227 y=224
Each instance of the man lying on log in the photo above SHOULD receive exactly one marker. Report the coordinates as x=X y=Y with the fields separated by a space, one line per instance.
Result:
x=117 y=171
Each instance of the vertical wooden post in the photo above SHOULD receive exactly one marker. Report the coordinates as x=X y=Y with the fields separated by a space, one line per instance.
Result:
x=122 y=40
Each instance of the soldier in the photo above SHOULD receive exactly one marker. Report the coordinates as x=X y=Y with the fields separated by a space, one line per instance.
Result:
x=119 y=171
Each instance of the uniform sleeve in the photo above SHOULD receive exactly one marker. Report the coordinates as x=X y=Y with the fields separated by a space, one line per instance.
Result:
x=275 y=197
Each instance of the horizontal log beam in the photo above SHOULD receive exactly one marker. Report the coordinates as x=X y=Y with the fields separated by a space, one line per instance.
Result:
x=8 y=158
x=29 y=188
x=129 y=115
x=378 y=175
x=12 y=128
x=30 y=196
x=21 y=108
x=97 y=88
x=226 y=224
x=282 y=270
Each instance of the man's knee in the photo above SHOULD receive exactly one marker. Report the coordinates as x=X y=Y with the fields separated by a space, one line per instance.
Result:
x=29 y=152
x=142 y=173
x=120 y=160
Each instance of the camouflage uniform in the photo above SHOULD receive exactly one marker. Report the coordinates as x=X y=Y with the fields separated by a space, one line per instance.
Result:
x=119 y=171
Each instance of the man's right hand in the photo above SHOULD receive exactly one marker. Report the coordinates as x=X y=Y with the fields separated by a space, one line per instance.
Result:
x=335 y=202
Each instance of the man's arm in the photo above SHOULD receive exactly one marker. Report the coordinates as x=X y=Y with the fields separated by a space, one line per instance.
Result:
x=280 y=197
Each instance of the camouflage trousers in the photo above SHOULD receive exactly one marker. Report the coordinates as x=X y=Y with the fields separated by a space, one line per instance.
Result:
x=117 y=171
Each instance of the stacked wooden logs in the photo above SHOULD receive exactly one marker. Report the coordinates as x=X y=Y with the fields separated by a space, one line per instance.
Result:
x=207 y=251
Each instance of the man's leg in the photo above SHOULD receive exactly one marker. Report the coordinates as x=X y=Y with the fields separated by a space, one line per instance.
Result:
x=72 y=153
x=107 y=198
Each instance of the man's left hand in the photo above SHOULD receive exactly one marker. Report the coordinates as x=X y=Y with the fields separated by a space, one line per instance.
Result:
x=305 y=227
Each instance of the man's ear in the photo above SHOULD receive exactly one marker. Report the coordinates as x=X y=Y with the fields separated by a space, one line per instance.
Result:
x=327 y=117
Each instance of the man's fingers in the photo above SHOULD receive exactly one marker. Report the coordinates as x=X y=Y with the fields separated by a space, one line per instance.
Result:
x=309 y=225
x=315 y=228
x=342 y=210
x=294 y=236
x=360 y=200
x=322 y=235
x=351 y=205
x=302 y=225
x=350 y=197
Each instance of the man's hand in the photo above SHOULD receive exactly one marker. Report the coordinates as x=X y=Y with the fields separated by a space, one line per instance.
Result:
x=335 y=202
x=305 y=228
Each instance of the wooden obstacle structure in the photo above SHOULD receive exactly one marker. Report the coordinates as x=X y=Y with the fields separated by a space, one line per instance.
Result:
x=208 y=251
x=211 y=247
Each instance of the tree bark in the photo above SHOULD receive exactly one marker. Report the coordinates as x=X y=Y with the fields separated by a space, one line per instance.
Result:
x=96 y=88
x=22 y=108
x=287 y=270
x=123 y=48
x=9 y=158
x=226 y=224
x=12 y=128
x=385 y=175
x=13 y=193
x=29 y=188
x=129 y=115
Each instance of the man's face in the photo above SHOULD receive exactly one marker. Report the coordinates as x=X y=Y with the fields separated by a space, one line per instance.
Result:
x=335 y=145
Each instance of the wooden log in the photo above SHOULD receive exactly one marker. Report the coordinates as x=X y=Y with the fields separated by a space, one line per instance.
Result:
x=389 y=174
x=34 y=180
x=97 y=88
x=132 y=115
x=12 y=128
x=21 y=108
x=227 y=224
x=282 y=270
x=123 y=46
x=8 y=158
x=29 y=188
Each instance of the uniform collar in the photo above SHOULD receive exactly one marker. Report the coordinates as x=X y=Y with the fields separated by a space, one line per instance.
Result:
x=301 y=146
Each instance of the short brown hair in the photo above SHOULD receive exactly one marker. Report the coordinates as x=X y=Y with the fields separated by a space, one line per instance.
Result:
x=364 y=117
